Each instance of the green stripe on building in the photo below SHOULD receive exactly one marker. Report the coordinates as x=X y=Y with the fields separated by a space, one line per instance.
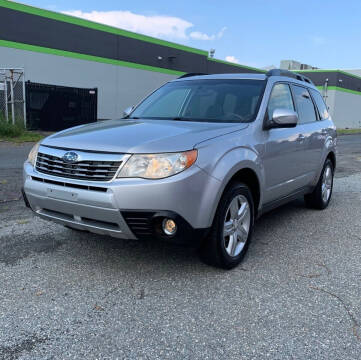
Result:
x=337 y=88
x=69 y=54
x=327 y=71
x=96 y=26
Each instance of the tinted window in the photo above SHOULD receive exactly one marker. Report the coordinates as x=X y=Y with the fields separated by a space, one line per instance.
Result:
x=228 y=100
x=305 y=107
x=322 y=108
x=280 y=98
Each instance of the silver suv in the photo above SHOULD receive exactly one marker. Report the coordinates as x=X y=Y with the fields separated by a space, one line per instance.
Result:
x=197 y=161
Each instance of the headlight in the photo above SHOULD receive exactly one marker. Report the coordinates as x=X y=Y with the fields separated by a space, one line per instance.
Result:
x=33 y=153
x=157 y=166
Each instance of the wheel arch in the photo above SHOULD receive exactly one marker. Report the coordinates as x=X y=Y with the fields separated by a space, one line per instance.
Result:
x=331 y=155
x=249 y=177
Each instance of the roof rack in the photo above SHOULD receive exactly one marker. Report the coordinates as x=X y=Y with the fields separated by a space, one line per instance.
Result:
x=190 y=74
x=281 y=72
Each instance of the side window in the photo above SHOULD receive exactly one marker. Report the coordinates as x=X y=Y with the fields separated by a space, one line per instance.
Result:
x=321 y=106
x=280 y=98
x=305 y=107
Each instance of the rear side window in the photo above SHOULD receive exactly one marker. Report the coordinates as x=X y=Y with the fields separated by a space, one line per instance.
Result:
x=321 y=106
x=280 y=98
x=304 y=104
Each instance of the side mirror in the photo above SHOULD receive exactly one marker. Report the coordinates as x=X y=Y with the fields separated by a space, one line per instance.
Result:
x=127 y=111
x=283 y=118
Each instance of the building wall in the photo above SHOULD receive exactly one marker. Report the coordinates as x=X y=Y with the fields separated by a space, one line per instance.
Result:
x=343 y=95
x=346 y=110
x=356 y=72
x=118 y=86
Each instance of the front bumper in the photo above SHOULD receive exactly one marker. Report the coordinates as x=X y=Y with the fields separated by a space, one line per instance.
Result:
x=109 y=208
x=98 y=217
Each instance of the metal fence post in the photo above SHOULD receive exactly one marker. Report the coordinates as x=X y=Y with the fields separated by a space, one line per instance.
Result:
x=24 y=97
x=12 y=97
x=6 y=98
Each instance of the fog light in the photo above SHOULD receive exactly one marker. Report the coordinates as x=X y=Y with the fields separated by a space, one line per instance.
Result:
x=169 y=226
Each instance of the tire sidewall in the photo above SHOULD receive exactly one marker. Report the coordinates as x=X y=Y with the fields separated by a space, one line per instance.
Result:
x=236 y=189
x=325 y=203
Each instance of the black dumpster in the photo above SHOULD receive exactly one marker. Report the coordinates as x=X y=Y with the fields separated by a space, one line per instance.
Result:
x=53 y=108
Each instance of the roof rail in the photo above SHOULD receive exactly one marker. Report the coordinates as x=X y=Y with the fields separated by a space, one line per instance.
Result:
x=293 y=75
x=190 y=74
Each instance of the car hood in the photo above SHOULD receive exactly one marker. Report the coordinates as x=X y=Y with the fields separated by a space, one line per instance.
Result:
x=139 y=136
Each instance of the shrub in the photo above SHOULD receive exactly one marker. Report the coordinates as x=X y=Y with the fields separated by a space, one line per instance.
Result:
x=9 y=130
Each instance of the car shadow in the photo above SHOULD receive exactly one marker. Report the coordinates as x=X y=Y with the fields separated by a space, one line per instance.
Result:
x=157 y=256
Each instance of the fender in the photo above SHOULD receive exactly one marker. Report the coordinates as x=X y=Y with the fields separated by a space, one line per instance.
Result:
x=225 y=166
x=329 y=147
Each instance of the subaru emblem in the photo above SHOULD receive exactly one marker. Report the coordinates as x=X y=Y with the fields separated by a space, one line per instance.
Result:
x=70 y=157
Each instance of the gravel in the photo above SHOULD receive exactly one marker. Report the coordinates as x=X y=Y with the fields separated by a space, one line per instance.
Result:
x=73 y=295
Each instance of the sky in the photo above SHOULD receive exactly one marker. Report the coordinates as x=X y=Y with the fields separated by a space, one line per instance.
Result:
x=258 y=33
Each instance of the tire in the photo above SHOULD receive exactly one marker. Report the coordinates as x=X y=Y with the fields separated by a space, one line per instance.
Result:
x=321 y=195
x=222 y=250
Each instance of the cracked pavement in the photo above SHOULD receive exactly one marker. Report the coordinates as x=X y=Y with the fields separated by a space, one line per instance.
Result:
x=74 y=295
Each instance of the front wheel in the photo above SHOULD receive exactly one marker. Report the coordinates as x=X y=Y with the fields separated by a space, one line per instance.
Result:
x=232 y=228
x=321 y=195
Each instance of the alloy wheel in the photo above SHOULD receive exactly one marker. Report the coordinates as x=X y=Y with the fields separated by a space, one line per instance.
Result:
x=236 y=225
x=326 y=187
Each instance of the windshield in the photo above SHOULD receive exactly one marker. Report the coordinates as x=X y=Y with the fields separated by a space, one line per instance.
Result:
x=234 y=100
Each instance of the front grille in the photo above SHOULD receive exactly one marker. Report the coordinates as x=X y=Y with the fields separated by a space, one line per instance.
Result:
x=82 y=170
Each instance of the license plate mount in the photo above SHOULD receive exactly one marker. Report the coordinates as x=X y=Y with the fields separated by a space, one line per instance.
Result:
x=62 y=195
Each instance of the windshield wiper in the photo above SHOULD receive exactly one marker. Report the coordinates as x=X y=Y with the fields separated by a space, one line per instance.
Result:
x=178 y=118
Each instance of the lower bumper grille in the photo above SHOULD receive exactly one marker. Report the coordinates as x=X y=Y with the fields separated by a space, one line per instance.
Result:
x=70 y=185
x=83 y=221
x=140 y=223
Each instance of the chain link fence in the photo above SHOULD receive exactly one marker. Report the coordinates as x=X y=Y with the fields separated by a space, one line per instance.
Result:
x=12 y=96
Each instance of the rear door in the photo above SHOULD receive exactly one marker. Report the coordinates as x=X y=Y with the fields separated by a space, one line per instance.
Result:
x=323 y=127
x=310 y=129
x=284 y=150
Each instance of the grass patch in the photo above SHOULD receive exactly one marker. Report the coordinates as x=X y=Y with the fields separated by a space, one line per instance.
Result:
x=17 y=133
x=348 y=131
x=27 y=136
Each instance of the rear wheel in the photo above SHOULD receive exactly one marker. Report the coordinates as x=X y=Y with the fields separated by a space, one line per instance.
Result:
x=232 y=228
x=321 y=195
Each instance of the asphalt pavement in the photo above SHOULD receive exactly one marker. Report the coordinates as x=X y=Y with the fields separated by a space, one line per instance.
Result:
x=74 y=295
